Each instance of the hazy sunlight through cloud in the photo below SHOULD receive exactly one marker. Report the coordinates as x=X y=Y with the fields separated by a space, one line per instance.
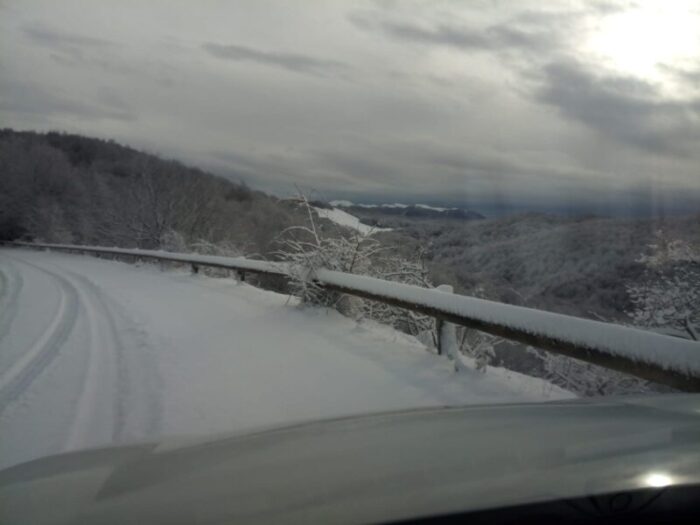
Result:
x=636 y=41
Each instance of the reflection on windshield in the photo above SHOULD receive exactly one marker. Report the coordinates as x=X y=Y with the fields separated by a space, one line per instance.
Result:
x=658 y=479
x=226 y=217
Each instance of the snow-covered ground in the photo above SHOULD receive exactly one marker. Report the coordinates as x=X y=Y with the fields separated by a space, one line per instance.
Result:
x=343 y=218
x=94 y=352
x=349 y=204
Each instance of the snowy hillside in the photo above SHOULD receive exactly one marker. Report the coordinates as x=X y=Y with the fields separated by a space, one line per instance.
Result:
x=350 y=204
x=343 y=218
x=94 y=352
x=394 y=213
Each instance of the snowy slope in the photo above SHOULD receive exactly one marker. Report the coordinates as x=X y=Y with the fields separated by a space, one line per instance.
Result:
x=343 y=218
x=94 y=352
x=350 y=204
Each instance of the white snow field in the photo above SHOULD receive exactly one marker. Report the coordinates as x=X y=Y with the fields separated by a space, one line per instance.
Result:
x=343 y=218
x=96 y=352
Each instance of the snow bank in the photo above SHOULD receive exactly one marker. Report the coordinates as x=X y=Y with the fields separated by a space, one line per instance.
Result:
x=343 y=218
x=148 y=354
x=667 y=353
x=349 y=204
x=433 y=208
x=341 y=204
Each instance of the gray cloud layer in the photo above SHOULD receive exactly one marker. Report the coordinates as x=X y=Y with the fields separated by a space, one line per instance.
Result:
x=57 y=40
x=36 y=102
x=290 y=61
x=439 y=102
x=494 y=38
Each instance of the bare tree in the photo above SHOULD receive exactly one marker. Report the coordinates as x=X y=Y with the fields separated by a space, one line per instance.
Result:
x=587 y=379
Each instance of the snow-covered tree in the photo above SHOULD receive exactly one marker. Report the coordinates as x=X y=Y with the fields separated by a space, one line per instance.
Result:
x=478 y=345
x=308 y=248
x=174 y=241
x=665 y=296
x=586 y=379
x=668 y=294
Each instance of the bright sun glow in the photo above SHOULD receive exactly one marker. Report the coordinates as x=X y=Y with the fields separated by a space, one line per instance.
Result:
x=657 y=479
x=636 y=41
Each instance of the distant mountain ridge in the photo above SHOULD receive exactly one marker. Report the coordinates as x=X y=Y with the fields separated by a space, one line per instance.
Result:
x=415 y=211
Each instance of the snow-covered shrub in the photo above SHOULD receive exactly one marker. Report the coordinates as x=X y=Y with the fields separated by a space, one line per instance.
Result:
x=478 y=345
x=668 y=295
x=586 y=379
x=388 y=266
x=665 y=251
x=174 y=241
x=309 y=249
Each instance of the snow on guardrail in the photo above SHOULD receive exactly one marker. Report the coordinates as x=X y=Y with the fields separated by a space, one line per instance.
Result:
x=656 y=357
x=217 y=261
x=669 y=353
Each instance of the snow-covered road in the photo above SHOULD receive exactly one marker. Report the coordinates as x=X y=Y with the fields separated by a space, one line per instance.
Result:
x=94 y=352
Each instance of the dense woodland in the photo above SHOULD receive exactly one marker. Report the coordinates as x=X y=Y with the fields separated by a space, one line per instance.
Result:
x=643 y=272
x=576 y=266
x=65 y=188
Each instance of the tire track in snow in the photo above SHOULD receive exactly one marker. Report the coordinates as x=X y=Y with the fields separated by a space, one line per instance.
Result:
x=100 y=383
x=11 y=286
x=112 y=367
x=17 y=378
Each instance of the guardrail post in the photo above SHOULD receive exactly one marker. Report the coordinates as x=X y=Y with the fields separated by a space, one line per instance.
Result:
x=195 y=269
x=447 y=335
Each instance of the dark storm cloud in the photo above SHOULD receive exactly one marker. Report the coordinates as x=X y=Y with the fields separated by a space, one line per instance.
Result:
x=295 y=62
x=628 y=110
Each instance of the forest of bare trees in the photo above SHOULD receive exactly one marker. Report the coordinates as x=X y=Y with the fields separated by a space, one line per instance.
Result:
x=65 y=188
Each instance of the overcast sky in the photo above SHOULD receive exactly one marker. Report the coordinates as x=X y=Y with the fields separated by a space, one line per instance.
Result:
x=589 y=105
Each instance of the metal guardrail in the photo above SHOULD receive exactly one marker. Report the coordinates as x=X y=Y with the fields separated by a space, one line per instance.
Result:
x=663 y=359
x=239 y=264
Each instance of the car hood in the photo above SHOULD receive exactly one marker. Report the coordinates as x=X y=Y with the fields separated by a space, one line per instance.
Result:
x=374 y=468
